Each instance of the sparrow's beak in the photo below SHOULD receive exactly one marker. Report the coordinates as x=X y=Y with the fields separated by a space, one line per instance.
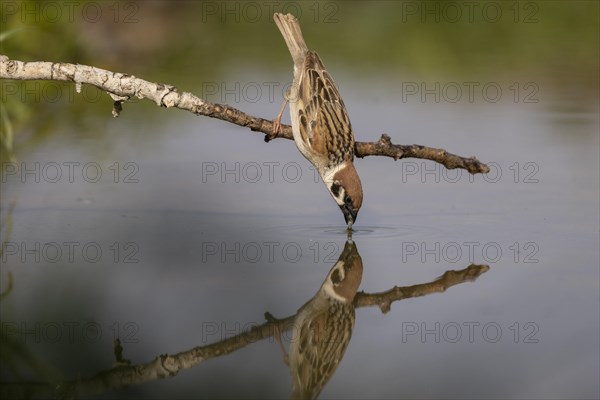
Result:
x=349 y=215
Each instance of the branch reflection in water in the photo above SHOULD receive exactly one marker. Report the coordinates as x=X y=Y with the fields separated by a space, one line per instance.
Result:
x=320 y=333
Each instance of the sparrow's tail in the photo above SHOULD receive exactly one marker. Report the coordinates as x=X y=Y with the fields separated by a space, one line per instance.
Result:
x=290 y=29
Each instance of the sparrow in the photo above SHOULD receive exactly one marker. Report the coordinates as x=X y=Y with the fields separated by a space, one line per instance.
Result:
x=320 y=122
x=323 y=326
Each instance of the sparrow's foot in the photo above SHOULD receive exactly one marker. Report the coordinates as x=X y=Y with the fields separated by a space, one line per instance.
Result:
x=274 y=133
x=276 y=124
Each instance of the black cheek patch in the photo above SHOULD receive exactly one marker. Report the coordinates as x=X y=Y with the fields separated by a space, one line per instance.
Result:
x=335 y=189
x=336 y=278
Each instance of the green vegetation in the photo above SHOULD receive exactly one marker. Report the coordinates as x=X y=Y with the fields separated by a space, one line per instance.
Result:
x=189 y=43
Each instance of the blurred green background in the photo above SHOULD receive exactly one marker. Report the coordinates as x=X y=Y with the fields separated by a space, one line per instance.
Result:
x=186 y=43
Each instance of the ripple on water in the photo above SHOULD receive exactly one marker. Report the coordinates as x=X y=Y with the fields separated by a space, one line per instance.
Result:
x=370 y=232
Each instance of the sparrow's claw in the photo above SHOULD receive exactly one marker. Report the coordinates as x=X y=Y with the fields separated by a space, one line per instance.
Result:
x=273 y=134
x=276 y=129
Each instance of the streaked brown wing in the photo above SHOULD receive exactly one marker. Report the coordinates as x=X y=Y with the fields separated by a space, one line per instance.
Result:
x=322 y=342
x=324 y=122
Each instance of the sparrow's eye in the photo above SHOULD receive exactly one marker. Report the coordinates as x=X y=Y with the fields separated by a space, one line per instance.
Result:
x=348 y=200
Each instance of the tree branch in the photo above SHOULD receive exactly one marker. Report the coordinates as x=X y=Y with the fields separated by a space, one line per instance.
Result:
x=122 y=87
x=450 y=278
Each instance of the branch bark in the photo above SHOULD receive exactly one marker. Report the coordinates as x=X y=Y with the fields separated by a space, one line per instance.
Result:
x=122 y=87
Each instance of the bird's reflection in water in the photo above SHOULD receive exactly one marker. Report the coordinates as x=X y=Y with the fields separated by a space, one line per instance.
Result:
x=323 y=326
x=318 y=333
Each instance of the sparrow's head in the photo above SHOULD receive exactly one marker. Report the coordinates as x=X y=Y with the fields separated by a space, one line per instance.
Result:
x=346 y=189
x=343 y=280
